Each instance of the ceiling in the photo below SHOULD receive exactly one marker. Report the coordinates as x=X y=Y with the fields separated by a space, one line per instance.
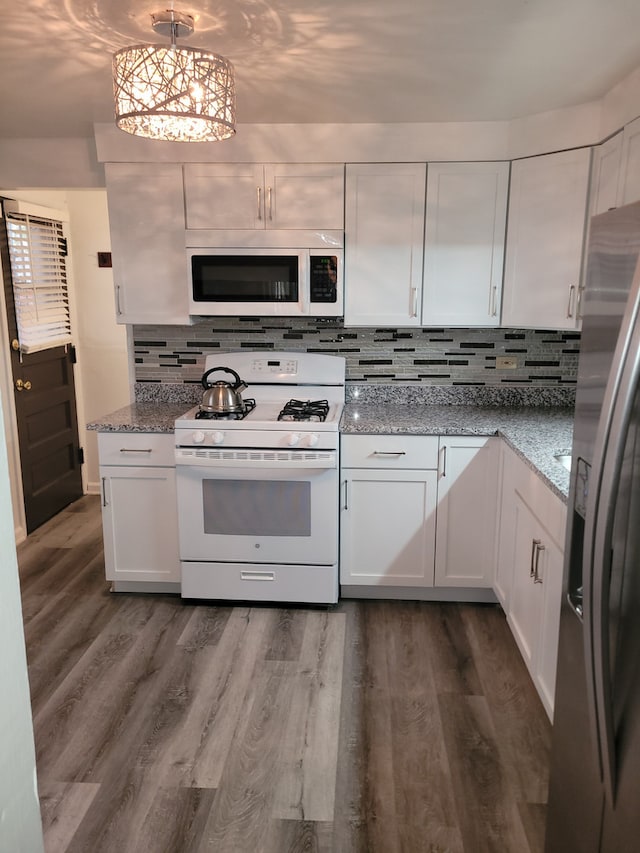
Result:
x=327 y=60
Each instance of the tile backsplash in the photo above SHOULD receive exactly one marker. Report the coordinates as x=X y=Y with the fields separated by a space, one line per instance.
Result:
x=432 y=356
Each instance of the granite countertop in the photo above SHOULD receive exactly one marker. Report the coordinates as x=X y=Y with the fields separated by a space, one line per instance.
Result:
x=536 y=434
x=141 y=417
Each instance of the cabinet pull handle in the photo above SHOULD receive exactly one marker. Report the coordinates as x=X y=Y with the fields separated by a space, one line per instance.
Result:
x=444 y=461
x=493 y=301
x=579 y=303
x=346 y=494
x=570 y=307
x=270 y=204
x=536 y=574
x=389 y=453
x=534 y=546
x=118 y=306
x=259 y=193
x=414 y=302
x=136 y=450
x=104 y=491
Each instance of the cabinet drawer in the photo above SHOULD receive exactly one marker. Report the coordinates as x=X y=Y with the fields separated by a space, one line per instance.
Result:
x=389 y=451
x=136 y=448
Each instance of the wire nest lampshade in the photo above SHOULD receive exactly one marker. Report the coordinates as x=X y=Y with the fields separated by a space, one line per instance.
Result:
x=178 y=94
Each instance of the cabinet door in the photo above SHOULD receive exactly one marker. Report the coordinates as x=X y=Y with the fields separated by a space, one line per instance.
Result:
x=550 y=574
x=305 y=195
x=384 y=236
x=525 y=605
x=464 y=243
x=221 y=195
x=605 y=173
x=388 y=524
x=146 y=221
x=140 y=524
x=467 y=507
x=545 y=235
x=509 y=466
x=629 y=185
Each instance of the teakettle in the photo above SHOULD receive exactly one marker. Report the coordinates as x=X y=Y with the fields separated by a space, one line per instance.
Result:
x=222 y=397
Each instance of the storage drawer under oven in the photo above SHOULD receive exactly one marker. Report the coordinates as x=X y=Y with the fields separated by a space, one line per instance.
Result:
x=238 y=582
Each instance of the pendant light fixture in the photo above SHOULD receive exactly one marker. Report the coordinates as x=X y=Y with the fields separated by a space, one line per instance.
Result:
x=178 y=94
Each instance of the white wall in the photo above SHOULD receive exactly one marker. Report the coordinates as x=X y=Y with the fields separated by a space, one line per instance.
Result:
x=20 y=826
x=103 y=366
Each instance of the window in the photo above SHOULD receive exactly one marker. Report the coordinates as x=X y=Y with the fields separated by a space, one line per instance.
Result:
x=37 y=251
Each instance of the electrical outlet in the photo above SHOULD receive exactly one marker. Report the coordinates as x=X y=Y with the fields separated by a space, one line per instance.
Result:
x=506 y=362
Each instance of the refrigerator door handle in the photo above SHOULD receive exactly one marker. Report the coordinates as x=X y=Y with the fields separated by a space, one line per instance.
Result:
x=601 y=509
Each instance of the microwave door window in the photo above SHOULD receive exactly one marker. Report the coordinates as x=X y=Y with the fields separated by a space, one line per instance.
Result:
x=251 y=278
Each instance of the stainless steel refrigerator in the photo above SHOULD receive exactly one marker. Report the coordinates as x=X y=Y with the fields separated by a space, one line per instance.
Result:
x=594 y=792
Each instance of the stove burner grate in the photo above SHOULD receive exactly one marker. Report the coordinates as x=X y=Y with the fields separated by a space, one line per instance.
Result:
x=304 y=410
x=248 y=406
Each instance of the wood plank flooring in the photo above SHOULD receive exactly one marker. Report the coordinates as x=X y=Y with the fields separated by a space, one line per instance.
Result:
x=164 y=726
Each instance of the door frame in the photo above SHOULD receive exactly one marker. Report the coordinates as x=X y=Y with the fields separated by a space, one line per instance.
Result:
x=6 y=377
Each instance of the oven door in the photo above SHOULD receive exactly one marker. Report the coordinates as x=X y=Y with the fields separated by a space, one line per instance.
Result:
x=285 y=514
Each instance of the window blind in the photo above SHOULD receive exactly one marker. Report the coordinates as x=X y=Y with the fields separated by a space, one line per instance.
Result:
x=37 y=251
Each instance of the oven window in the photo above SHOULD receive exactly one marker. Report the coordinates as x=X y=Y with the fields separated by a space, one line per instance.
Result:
x=245 y=278
x=257 y=507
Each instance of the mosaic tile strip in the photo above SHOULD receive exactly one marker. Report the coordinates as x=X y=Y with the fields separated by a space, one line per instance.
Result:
x=431 y=356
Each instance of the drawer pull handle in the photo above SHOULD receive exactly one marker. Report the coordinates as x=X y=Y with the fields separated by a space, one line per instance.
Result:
x=389 y=452
x=257 y=576
x=136 y=450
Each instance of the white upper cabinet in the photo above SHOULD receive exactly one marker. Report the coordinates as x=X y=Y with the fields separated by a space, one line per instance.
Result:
x=545 y=237
x=605 y=175
x=629 y=180
x=146 y=221
x=249 y=196
x=464 y=243
x=384 y=241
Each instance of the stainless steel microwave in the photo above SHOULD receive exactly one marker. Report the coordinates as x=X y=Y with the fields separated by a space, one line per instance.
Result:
x=264 y=281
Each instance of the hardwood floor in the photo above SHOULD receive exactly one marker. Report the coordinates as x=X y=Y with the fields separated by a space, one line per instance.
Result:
x=165 y=726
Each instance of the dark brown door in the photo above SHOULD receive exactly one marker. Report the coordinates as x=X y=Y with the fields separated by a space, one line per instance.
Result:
x=44 y=392
x=47 y=432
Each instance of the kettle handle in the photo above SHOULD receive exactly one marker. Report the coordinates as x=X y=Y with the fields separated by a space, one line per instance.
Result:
x=206 y=385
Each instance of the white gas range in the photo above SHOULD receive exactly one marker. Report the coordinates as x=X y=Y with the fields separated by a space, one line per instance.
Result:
x=258 y=488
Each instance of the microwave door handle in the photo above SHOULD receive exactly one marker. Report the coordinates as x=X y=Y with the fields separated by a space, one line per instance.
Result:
x=304 y=282
x=613 y=428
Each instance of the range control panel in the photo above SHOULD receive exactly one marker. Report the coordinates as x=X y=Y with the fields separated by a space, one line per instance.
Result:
x=287 y=367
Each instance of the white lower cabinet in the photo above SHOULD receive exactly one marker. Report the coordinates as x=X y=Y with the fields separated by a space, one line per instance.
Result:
x=531 y=545
x=139 y=512
x=467 y=507
x=388 y=510
x=417 y=511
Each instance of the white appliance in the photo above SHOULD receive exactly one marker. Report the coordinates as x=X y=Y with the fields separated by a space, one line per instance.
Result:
x=258 y=495
x=284 y=274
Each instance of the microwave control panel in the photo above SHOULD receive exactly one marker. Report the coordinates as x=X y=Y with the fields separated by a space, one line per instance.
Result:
x=323 y=278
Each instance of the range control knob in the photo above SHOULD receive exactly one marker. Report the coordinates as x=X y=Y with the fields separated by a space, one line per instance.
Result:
x=217 y=437
x=293 y=439
x=312 y=440
x=198 y=437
